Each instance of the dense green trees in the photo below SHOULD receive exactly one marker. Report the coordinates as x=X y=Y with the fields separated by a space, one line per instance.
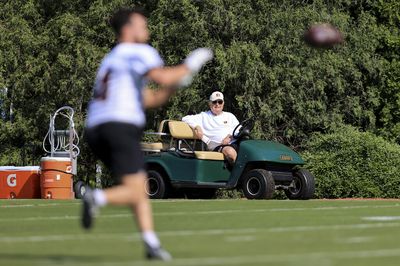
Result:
x=264 y=67
x=350 y=163
x=49 y=52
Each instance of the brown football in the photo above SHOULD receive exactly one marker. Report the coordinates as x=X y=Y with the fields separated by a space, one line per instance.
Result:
x=323 y=35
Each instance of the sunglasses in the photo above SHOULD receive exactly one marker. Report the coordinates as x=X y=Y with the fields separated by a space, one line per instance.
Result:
x=218 y=101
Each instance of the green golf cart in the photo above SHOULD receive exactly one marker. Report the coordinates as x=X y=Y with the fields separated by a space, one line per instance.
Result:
x=179 y=164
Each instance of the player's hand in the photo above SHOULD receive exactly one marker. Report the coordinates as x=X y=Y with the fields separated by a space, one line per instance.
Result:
x=198 y=58
x=194 y=62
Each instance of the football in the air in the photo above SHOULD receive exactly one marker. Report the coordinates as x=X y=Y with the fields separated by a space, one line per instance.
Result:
x=323 y=35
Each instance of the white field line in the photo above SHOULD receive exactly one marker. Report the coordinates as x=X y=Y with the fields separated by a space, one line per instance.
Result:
x=381 y=218
x=78 y=202
x=311 y=258
x=62 y=217
x=185 y=233
x=240 y=239
x=156 y=201
x=39 y=205
x=316 y=257
x=124 y=215
x=17 y=206
x=279 y=210
x=356 y=240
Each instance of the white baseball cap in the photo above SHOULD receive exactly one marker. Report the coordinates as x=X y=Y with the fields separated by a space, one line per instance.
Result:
x=216 y=95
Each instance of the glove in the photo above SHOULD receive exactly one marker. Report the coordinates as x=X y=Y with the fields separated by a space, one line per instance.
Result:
x=197 y=58
x=195 y=61
x=186 y=81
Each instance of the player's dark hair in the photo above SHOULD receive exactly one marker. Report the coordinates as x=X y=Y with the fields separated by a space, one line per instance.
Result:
x=122 y=17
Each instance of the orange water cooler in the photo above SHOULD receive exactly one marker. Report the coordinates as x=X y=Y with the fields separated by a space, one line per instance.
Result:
x=56 y=178
x=19 y=182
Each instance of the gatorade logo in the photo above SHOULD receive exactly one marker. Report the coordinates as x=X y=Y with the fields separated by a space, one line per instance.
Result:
x=12 y=180
x=69 y=169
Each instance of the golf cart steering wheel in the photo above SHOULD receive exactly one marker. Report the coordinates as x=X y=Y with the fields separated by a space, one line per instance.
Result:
x=243 y=129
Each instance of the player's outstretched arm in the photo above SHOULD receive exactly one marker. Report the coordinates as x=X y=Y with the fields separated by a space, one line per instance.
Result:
x=157 y=97
x=170 y=78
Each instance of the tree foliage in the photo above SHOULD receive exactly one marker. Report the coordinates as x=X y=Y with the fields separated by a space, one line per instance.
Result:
x=349 y=163
x=50 y=50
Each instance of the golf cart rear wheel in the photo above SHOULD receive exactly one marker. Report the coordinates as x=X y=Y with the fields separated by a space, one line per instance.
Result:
x=258 y=184
x=303 y=185
x=156 y=186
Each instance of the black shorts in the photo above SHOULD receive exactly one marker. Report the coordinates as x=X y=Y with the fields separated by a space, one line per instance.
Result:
x=220 y=147
x=117 y=145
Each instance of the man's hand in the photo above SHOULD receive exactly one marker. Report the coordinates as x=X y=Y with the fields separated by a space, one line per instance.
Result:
x=226 y=140
x=199 y=132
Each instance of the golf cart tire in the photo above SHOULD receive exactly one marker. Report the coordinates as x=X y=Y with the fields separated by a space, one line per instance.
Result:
x=156 y=186
x=305 y=186
x=258 y=184
x=79 y=189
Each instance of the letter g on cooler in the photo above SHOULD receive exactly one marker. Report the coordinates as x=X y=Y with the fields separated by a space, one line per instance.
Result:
x=12 y=180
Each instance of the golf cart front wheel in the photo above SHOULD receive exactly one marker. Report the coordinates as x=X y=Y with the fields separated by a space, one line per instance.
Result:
x=303 y=185
x=258 y=184
x=156 y=186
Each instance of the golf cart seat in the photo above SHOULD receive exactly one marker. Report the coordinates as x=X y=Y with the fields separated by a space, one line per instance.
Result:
x=182 y=131
x=157 y=146
x=152 y=146
x=209 y=155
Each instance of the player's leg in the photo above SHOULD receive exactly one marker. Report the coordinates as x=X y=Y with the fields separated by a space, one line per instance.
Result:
x=127 y=164
x=132 y=193
x=129 y=191
x=92 y=200
x=140 y=203
x=143 y=213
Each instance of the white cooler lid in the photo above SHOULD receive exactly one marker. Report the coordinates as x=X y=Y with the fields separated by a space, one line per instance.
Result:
x=19 y=168
x=56 y=159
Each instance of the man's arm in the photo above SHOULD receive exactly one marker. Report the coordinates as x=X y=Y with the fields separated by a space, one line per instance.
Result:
x=156 y=98
x=169 y=78
x=199 y=133
x=194 y=122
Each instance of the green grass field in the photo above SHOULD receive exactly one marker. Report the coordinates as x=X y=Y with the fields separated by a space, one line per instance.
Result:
x=221 y=232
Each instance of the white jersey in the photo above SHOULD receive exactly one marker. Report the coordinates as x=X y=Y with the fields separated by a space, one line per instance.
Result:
x=118 y=88
x=215 y=127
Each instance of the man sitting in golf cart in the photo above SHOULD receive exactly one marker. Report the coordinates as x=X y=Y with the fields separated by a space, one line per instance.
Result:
x=214 y=127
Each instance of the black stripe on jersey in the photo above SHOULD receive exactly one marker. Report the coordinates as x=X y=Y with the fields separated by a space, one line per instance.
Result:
x=100 y=91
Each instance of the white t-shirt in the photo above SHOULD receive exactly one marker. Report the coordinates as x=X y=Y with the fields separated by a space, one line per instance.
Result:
x=215 y=127
x=118 y=88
